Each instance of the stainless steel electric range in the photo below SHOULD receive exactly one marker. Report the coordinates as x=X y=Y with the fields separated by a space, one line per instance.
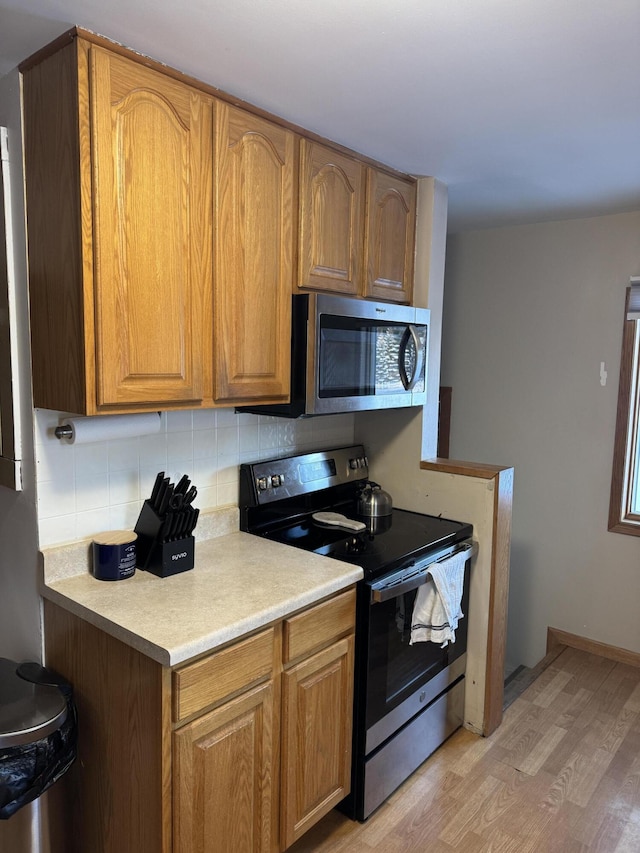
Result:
x=408 y=698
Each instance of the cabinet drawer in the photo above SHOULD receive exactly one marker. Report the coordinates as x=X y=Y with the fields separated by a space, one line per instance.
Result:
x=223 y=673
x=309 y=631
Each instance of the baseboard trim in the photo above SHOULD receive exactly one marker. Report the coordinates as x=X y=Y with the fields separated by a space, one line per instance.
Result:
x=556 y=637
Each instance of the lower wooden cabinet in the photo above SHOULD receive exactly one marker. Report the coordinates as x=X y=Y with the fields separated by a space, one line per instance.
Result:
x=223 y=763
x=316 y=738
x=256 y=771
x=240 y=751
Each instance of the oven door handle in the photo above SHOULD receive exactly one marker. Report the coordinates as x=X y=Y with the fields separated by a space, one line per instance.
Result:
x=411 y=580
x=393 y=591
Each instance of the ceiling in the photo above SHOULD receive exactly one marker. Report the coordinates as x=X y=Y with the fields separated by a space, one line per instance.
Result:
x=527 y=110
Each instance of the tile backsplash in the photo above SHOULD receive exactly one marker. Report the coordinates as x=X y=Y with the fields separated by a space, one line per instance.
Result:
x=84 y=489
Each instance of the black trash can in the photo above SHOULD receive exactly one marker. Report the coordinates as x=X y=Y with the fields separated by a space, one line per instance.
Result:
x=38 y=732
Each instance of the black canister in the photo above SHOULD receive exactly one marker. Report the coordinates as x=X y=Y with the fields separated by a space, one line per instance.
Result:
x=114 y=555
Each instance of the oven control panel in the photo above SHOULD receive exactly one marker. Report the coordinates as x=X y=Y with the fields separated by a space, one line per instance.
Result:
x=291 y=476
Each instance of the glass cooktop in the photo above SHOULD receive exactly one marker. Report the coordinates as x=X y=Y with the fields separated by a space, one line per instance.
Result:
x=386 y=543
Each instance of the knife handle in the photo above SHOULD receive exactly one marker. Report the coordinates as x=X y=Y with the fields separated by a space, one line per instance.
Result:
x=166 y=497
x=183 y=485
x=161 y=493
x=156 y=489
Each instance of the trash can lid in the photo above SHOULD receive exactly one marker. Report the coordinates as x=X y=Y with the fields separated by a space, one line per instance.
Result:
x=28 y=711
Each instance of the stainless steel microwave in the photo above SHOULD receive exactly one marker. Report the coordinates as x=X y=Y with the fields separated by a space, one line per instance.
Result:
x=350 y=355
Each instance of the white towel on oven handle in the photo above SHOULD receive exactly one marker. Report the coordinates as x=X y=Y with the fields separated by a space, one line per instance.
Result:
x=437 y=608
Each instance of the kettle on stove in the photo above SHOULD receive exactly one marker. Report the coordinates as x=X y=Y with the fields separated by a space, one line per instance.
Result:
x=373 y=501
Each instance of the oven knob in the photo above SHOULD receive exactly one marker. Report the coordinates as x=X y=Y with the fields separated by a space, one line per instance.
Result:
x=276 y=480
x=353 y=464
x=262 y=483
x=355 y=545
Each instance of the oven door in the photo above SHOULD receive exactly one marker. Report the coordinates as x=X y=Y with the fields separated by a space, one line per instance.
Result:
x=402 y=679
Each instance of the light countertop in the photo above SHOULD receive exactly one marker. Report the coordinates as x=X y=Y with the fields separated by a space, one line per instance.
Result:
x=240 y=583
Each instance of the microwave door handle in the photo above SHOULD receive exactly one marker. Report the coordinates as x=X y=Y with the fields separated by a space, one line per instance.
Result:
x=410 y=334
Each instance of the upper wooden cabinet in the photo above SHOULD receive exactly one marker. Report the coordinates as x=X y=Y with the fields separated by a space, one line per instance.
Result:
x=119 y=204
x=163 y=223
x=331 y=219
x=253 y=258
x=357 y=227
x=390 y=237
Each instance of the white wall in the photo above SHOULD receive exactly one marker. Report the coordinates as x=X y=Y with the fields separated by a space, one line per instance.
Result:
x=529 y=314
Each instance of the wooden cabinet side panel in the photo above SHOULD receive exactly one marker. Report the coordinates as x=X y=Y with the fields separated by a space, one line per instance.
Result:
x=152 y=147
x=254 y=258
x=498 y=601
x=331 y=220
x=116 y=798
x=223 y=778
x=54 y=161
x=317 y=712
x=390 y=237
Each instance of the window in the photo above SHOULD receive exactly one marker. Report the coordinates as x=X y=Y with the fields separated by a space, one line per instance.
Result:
x=624 y=506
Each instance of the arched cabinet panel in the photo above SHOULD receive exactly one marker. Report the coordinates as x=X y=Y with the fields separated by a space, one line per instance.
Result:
x=152 y=154
x=331 y=219
x=254 y=257
x=390 y=237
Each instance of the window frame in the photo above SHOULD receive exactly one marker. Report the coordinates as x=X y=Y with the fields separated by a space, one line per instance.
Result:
x=626 y=444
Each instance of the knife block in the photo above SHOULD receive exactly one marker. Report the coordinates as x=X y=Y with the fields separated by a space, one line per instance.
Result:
x=154 y=554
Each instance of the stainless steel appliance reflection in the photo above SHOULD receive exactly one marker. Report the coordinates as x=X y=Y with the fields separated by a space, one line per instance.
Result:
x=408 y=698
x=350 y=355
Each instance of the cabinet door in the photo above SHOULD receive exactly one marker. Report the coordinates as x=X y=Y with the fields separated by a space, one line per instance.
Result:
x=390 y=237
x=331 y=220
x=317 y=712
x=151 y=142
x=223 y=778
x=254 y=258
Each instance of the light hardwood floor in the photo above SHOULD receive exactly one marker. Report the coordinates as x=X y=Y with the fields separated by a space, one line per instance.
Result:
x=562 y=773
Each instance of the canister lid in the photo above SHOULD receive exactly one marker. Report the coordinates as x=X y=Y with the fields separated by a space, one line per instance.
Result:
x=115 y=537
x=28 y=711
